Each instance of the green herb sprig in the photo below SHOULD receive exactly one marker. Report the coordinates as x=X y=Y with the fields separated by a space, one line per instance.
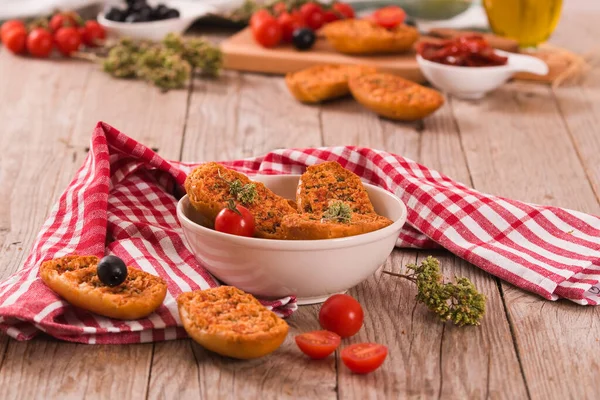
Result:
x=167 y=64
x=245 y=194
x=457 y=301
x=338 y=211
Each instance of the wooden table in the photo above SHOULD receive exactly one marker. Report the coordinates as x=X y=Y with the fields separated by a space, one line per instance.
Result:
x=525 y=141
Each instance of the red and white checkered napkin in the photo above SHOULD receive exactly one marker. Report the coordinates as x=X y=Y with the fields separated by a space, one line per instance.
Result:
x=122 y=201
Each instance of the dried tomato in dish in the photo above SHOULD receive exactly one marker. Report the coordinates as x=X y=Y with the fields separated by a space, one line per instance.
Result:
x=464 y=51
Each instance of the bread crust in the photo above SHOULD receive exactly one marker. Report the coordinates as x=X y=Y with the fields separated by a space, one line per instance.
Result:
x=74 y=278
x=359 y=36
x=230 y=322
x=394 y=97
x=323 y=82
x=311 y=227
x=209 y=193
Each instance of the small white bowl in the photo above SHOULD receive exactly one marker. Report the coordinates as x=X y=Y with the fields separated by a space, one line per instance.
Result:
x=475 y=82
x=311 y=270
x=157 y=30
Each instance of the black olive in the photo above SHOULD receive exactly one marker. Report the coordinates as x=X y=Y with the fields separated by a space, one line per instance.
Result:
x=171 y=13
x=135 y=6
x=146 y=13
x=115 y=14
x=134 y=17
x=410 y=22
x=303 y=38
x=159 y=11
x=112 y=271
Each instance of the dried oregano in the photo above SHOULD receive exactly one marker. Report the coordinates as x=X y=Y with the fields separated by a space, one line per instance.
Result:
x=338 y=211
x=167 y=64
x=457 y=301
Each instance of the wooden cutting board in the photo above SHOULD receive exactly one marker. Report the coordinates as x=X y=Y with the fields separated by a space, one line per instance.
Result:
x=242 y=53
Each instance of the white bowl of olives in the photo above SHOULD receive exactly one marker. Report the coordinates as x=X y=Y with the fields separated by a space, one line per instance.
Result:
x=151 y=20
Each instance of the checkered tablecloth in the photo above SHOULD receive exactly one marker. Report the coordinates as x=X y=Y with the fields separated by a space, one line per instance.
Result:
x=123 y=199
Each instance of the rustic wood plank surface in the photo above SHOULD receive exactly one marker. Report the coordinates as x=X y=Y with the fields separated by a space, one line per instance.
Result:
x=524 y=141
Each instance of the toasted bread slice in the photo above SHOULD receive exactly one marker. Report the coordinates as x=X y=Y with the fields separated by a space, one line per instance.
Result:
x=323 y=82
x=209 y=191
x=394 y=97
x=328 y=181
x=75 y=279
x=231 y=323
x=359 y=36
x=312 y=227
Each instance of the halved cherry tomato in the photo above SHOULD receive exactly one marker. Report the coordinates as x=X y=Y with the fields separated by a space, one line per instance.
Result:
x=363 y=358
x=235 y=221
x=61 y=20
x=15 y=39
x=390 y=16
x=92 y=33
x=341 y=314
x=279 y=8
x=330 y=16
x=40 y=43
x=345 y=10
x=313 y=15
x=259 y=16
x=289 y=23
x=318 y=344
x=10 y=25
x=68 y=40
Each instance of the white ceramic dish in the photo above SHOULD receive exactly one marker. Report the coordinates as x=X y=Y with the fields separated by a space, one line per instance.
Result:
x=156 y=30
x=312 y=270
x=475 y=82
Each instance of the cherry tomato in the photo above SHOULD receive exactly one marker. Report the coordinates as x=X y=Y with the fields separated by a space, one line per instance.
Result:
x=341 y=314
x=389 y=17
x=61 y=20
x=363 y=358
x=267 y=32
x=329 y=16
x=235 y=221
x=289 y=23
x=259 y=15
x=40 y=43
x=279 y=8
x=10 y=25
x=318 y=344
x=313 y=15
x=345 y=10
x=92 y=33
x=15 y=39
x=68 y=40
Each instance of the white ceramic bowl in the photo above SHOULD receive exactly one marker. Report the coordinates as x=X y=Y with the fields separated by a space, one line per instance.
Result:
x=475 y=82
x=157 y=30
x=312 y=270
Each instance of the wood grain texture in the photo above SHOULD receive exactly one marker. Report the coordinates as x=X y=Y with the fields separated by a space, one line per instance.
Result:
x=245 y=115
x=579 y=104
x=50 y=155
x=46 y=368
x=31 y=148
x=427 y=359
x=525 y=153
